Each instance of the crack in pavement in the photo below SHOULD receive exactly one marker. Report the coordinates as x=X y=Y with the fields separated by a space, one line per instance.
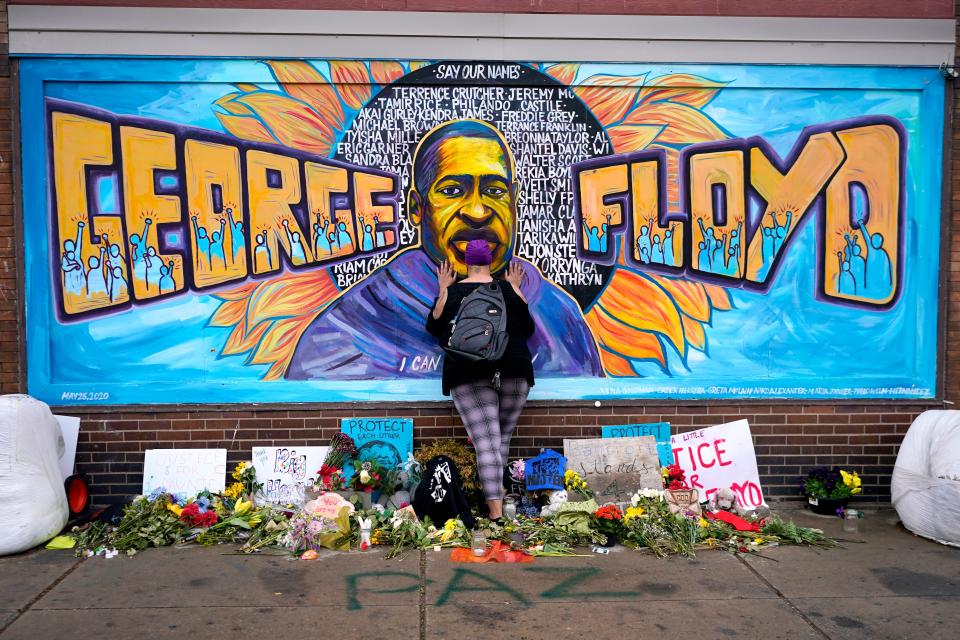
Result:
x=53 y=585
x=783 y=597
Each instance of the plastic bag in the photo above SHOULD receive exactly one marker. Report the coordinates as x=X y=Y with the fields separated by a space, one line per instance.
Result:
x=926 y=479
x=33 y=504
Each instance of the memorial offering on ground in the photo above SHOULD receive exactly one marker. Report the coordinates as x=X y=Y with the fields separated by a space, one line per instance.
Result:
x=614 y=468
x=184 y=471
x=287 y=472
x=660 y=514
x=721 y=457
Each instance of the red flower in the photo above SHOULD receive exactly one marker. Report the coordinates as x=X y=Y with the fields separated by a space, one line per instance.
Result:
x=326 y=470
x=676 y=484
x=609 y=512
x=744 y=550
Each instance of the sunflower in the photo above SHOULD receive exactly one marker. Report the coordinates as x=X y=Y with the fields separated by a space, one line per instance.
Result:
x=311 y=111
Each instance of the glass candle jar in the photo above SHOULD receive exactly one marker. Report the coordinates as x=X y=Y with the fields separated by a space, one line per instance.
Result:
x=509 y=508
x=479 y=544
x=851 y=521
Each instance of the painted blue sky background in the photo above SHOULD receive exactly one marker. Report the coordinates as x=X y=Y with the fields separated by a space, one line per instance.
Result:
x=784 y=339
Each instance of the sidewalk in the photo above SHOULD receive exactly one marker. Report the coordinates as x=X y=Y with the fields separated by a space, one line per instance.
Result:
x=889 y=584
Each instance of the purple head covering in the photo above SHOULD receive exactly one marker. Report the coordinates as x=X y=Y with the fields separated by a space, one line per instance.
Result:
x=478 y=253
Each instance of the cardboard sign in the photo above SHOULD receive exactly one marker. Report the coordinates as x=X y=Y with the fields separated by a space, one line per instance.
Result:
x=685 y=501
x=387 y=440
x=659 y=430
x=328 y=505
x=286 y=472
x=720 y=457
x=186 y=472
x=615 y=468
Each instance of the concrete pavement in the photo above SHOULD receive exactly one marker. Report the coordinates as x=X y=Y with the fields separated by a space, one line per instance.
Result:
x=888 y=584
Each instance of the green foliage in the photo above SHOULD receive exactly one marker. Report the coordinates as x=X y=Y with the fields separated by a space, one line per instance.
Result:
x=464 y=457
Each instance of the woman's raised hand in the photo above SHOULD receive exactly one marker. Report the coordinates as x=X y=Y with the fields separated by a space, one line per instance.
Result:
x=446 y=275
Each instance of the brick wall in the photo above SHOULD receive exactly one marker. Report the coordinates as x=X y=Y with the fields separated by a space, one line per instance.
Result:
x=10 y=370
x=789 y=436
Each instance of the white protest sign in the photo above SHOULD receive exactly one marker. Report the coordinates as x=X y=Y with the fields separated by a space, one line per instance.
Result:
x=615 y=468
x=184 y=471
x=70 y=428
x=286 y=472
x=718 y=458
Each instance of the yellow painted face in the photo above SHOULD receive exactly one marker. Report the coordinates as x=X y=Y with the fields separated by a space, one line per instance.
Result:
x=471 y=197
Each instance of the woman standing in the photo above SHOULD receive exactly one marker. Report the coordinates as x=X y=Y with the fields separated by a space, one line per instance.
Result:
x=489 y=395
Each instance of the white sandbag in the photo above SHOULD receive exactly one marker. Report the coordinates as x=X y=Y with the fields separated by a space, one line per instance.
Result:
x=926 y=478
x=33 y=504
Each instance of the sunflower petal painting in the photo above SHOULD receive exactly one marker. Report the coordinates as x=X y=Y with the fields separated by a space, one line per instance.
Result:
x=270 y=230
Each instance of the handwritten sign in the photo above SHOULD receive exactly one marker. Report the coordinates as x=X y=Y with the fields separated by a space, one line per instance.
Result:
x=659 y=430
x=720 y=457
x=615 y=468
x=286 y=472
x=184 y=471
x=328 y=505
x=387 y=440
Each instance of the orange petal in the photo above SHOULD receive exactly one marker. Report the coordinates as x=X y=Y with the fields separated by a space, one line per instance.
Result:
x=241 y=292
x=302 y=81
x=242 y=341
x=689 y=296
x=246 y=88
x=229 y=104
x=685 y=125
x=290 y=295
x=385 y=71
x=563 y=73
x=279 y=343
x=228 y=313
x=622 y=339
x=245 y=127
x=610 y=97
x=691 y=90
x=292 y=122
x=642 y=304
x=693 y=331
x=352 y=81
x=614 y=365
x=719 y=297
x=633 y=137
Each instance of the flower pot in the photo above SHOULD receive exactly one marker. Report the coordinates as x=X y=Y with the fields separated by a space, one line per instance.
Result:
x=827 y=506
x=611 y=540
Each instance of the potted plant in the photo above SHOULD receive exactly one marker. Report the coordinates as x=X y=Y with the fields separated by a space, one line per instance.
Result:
x=608 y=520
x=829 y=491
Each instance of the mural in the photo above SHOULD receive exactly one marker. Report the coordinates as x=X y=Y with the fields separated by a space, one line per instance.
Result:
x=251 y=231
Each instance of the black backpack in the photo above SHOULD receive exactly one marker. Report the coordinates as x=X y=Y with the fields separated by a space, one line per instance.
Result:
x=479 y=330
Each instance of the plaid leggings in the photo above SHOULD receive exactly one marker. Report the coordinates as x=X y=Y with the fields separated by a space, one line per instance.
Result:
x=490 y=417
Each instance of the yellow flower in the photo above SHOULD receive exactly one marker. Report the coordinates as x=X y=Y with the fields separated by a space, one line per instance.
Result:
x=450 y=525
x=757 y=540
x=852 y=480
x=175 y=509
x=238 y=471
x=234 y=490
x=255 y=520
x=855 y=491
x=703 y=523
x=664 y=472
x=632 y=513
x=242 y=506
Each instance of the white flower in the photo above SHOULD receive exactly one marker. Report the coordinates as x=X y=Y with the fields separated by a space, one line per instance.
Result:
x=365 y=476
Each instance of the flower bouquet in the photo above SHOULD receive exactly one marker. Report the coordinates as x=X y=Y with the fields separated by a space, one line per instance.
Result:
x=574 y=483
x=330 y=479
x=608 y=520
x=365 y=480
x=829 y=491
x=673 y=477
